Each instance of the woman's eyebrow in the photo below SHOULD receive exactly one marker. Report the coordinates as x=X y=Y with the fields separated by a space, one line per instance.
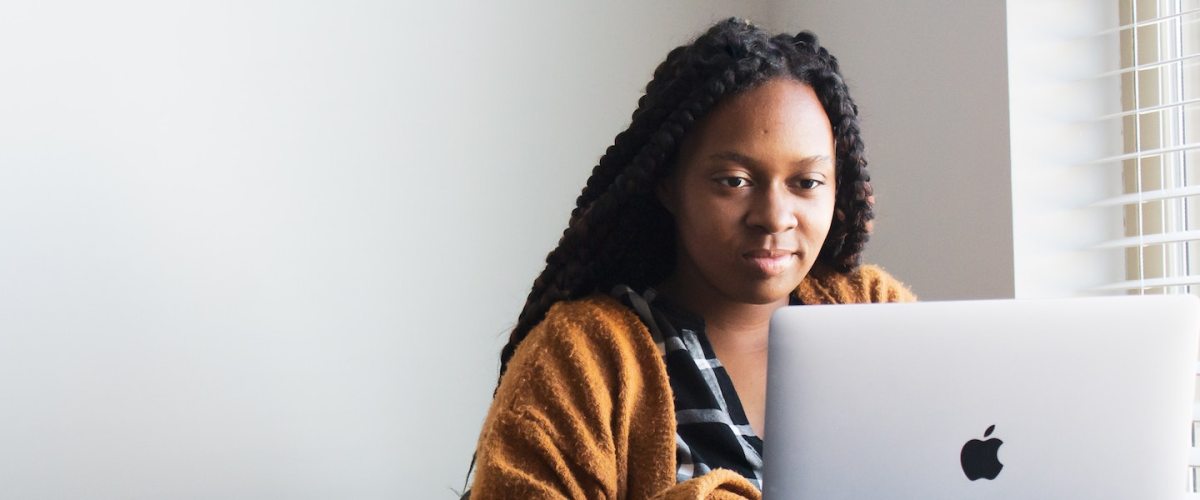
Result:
x=736 y=157
x=815 y=159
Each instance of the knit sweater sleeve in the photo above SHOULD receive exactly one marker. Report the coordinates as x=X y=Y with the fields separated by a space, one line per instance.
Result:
x=585 y=411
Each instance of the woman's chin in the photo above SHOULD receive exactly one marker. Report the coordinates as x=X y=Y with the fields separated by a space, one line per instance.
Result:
x=769 y=292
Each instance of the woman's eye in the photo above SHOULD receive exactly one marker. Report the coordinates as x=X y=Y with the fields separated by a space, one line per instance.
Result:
x=810 y=183
x=734 y=182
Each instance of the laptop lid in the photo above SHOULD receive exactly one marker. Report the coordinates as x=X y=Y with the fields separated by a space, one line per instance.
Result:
x=1069 y=398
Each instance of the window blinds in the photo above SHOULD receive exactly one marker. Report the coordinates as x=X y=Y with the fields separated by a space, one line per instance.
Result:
x=1159 y=161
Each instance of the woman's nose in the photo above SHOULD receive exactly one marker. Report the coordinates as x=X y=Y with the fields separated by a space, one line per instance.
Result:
x=772 y=210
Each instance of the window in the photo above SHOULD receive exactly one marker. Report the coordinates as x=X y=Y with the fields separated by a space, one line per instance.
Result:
x=1160 y=163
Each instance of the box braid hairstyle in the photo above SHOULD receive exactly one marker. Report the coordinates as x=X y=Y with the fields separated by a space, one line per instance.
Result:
x=619 y=233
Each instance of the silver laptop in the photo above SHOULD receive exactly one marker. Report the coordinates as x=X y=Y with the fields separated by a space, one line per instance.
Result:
x=1057 y=399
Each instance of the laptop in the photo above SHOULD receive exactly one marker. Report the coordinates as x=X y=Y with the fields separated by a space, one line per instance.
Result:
x=998 y=399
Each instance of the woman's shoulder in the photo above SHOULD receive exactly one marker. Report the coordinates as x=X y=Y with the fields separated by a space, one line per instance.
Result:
x=597 y=329
x=865 y=283
x=594 y=307
x=592 y=318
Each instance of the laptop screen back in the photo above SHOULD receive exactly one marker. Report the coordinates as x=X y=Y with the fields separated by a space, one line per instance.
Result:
x=1069 y=398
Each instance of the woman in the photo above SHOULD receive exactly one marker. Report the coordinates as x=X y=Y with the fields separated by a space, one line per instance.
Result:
x=637 y=368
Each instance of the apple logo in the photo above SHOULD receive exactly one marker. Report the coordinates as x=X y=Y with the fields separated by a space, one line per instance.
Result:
x=979 y=458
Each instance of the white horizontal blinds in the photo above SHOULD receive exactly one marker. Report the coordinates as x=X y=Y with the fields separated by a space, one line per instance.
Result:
x=1159 y=161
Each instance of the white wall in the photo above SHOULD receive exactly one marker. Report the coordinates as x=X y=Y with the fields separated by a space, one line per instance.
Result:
x=270 y=249
x=929 y=77
x=1056 y=53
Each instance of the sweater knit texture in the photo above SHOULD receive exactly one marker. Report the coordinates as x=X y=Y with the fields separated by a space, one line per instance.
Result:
x=585 y=408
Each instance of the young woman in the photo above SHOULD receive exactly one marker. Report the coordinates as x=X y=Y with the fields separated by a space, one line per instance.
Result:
x=638 y=367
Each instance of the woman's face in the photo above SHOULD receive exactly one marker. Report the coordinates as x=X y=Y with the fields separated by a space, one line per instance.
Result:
x=753 y=195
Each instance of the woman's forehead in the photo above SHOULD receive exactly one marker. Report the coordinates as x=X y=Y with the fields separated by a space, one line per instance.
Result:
x=779 y=118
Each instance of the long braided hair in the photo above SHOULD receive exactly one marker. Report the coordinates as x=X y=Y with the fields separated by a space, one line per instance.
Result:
x=619 y=233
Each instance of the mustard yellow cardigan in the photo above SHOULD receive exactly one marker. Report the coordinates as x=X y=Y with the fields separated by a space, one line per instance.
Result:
x=585 y=409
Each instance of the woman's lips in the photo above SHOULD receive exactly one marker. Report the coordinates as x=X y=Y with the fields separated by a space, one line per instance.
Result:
x=771 y=262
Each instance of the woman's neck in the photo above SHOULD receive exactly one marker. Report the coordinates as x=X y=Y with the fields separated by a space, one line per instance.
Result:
x=737 y=326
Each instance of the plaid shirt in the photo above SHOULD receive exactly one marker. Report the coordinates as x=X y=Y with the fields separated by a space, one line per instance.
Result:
x=711 y=429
